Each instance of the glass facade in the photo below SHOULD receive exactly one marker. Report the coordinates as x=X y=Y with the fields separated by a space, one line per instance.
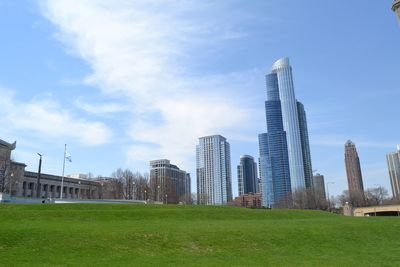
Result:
x=285 y=160
x=290 y=120
x=214 y=186
x=247 y=175
x=393 y=161
x=305 y=145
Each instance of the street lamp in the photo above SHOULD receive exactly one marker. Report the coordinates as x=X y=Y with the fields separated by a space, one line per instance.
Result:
x=38 y=187
x=158 y=193
x=327 y=190
x=396 y=7
x=11 y=177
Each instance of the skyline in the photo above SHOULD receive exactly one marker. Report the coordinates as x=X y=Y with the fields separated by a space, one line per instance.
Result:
x=58 y=71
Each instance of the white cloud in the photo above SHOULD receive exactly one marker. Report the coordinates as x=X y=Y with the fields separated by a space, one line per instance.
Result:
x=139 y=50
x=49 y=119
x=100 y=108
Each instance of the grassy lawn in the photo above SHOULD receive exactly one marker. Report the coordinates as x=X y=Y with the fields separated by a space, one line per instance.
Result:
x=139 y=235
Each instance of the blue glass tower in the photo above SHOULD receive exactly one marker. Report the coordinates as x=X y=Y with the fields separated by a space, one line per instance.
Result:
x=274 y=163
x=285 y=160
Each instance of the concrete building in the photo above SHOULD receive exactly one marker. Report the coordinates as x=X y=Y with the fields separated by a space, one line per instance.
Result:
x=247 y=175
x=214 y=180
x=17 y=182
x=354 y=176
x=393 y=161
x=168 y=183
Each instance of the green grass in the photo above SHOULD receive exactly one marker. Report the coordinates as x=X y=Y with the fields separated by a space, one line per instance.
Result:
x=140 y=235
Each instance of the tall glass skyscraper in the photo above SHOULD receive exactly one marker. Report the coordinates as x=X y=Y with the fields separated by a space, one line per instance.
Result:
x=393 y=161
x=247 y=175
x=214 y=182
x=285 y=160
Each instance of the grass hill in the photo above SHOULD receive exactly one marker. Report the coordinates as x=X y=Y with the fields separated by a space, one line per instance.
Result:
x=146 y=235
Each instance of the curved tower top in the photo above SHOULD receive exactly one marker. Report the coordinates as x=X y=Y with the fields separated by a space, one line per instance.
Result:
x=281 y=63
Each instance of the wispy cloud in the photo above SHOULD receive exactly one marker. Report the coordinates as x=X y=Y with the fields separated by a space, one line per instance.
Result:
x=140 y=50
x=47 y=118
x=339 y=141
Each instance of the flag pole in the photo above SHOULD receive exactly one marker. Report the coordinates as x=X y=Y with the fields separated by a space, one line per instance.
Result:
x=62 y=179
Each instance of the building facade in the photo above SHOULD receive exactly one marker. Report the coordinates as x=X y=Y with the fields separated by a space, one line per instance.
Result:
x=393 y=161
x=354 y=176
x=319 y=186
x=247 y=175
x=213 y=171
x=168 y=183
x=285 y=158
x=20 y=183
x=252 y=201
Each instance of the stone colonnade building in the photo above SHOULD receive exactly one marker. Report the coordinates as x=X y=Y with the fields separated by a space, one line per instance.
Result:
x=16 y=181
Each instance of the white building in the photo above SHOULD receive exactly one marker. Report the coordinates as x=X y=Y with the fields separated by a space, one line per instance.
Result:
x=214 y=179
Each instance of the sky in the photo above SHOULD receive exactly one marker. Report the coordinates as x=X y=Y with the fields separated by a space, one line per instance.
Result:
x=125 y=82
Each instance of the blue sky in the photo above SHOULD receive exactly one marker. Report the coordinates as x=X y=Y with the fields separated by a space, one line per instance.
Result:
x=125 y=82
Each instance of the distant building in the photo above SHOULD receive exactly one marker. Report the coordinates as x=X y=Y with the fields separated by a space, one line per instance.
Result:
x=393 y=161
x=354 y=176
x=214 y=180
x=319 y=186
x=247 y=175
x=168 y=183
x=249 y=201
x=16 y=181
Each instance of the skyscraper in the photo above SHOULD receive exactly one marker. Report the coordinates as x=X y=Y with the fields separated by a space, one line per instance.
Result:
x=393 y=161
x=214 y=182
x=285 y=160
x=247 y=175
x=290 y=119
x=168 y=183
x=354 y=176
x=319 y=187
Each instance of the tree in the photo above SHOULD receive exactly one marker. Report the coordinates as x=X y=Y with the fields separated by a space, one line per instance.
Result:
x=376 y=196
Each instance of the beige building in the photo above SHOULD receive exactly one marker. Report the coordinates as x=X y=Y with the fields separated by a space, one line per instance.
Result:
x=16 y=181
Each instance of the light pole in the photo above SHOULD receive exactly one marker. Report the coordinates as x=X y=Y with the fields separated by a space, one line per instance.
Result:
x=166 y=199
x=38 y=187
x=79 y=190
x=327 y=190
x=158 y=193
x=396 y=7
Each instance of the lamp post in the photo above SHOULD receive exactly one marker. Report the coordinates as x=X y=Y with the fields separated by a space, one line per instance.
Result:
x=327 y=190
x=79 y=190
x=158 y=193
x=38 y=187
x=396 y=7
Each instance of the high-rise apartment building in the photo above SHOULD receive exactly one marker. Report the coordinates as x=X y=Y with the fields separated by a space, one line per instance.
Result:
x=354 y=176
x=393 y=161
x=168 y=183
x=285 y=160
x=247 y=175
x=213 y=160
x=319 y=187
